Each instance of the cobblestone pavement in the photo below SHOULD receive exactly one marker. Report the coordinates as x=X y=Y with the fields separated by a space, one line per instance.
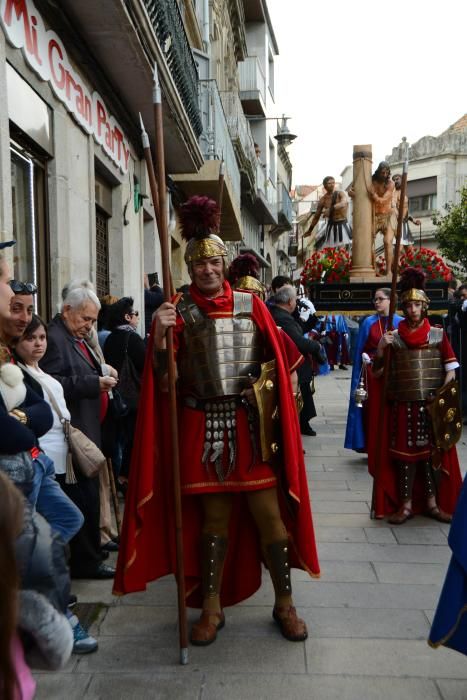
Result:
x=368 y=616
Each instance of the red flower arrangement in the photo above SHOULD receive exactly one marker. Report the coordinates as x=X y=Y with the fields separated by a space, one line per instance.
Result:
x=428 y=260
x=327 y=265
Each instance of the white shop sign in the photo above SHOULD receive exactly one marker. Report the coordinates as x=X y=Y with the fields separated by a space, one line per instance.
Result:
x=46 y=54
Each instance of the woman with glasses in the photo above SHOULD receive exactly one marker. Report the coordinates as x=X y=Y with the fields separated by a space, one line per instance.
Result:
x=125 y=350
x=372 y=329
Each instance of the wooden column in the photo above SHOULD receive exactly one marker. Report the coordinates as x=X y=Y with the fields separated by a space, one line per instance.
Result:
x=362 y=223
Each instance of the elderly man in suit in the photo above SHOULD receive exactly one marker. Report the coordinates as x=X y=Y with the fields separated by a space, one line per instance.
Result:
x=71 y=360
x=285 y=301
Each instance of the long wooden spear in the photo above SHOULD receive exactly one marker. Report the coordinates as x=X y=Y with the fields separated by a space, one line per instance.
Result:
x=392 y=309
x=151 y=174
x=167 y=283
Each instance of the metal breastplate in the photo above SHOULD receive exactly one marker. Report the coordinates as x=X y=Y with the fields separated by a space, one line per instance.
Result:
x=415 y=374
x=220 y=354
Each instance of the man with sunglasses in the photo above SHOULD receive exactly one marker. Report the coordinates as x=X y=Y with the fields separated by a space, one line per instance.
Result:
x=21 y=311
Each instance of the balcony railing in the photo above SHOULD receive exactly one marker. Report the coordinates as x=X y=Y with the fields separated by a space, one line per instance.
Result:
x=239 y=127
x=285 y=205
x=215 y=140
x=170 y=31
x=271 y=194
x=252 y=78
x=260 y=178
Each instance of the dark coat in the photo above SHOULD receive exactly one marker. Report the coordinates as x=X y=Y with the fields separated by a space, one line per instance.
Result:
x=16 y=437
x=294 y=330
x=114 y=349
x=78 y=376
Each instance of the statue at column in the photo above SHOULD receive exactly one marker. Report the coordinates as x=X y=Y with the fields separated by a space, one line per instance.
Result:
x=382 y=195
x=333 y=206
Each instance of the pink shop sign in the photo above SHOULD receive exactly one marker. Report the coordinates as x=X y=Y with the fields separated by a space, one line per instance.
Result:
x=46 y=54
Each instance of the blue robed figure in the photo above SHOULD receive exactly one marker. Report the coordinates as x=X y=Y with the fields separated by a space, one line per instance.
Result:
x=449 y=627
x=355 y=432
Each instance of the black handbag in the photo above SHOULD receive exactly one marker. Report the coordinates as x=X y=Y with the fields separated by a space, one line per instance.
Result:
x=129 y=382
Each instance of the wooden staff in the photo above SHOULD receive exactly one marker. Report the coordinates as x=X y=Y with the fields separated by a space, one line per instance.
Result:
x=113 y=491
x=151 y=174
x=167 y=284
x=392 y=309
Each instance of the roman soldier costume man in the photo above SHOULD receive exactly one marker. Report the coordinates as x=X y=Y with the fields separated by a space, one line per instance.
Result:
x=244 y=490
x=420 y=472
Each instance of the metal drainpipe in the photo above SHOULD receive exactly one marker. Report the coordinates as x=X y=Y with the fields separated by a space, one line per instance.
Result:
x=206 y=27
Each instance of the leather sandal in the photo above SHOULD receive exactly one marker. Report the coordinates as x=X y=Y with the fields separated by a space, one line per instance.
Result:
x=437 y=514
x=204 y=631
x=291 y=626
x=402 y=515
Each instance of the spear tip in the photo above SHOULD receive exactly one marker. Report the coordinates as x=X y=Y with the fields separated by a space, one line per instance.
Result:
x=156 y=87
x=141 y=122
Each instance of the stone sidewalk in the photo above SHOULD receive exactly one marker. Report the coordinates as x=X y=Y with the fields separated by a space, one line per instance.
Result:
x=368 y=616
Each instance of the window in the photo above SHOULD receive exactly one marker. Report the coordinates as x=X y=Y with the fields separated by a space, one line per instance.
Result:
x=423 y=203
x=31 y=254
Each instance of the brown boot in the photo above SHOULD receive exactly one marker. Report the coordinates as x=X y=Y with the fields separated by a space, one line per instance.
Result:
x=403 y=514
x=437 y=514
x=291 y=626
x=204 y=631
x=277 y=558
x=214 y=549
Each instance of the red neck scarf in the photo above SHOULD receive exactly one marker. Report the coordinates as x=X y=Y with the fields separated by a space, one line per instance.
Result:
x=414 y=338
x=220 y=303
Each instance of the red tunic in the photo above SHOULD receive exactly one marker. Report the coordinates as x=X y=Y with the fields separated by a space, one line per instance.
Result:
x=394 y=438
x=147 y=547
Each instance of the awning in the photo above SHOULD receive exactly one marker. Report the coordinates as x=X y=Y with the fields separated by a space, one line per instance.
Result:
x=262 y=261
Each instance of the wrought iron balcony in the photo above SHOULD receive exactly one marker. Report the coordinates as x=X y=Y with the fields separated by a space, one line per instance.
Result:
x=242 y=140
x=285 y=207
x=252 y=86
x=169 y=28
x=215 y=138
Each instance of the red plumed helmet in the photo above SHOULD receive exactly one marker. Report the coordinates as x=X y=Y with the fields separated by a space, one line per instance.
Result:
x=199 y=217
x=412 y=278
x=243 y=266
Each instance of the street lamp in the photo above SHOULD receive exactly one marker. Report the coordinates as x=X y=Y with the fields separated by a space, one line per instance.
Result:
x=283 y=137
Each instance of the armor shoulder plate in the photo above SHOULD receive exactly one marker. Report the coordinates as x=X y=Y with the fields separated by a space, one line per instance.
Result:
x=435 y=336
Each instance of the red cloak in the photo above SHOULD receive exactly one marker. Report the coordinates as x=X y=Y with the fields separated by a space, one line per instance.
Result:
x=147 y=546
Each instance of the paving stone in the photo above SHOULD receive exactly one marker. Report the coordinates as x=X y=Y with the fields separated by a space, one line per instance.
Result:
x=366 y=595
x=410 y=573
x=397 y=658
x=139 y=620
x=452 y=689
x=145 y=686
x=420 y=535
x=380 y=535
x=319 y=485
x=339 y=534
x=430 y=614
x=370 y=623
x=317 y=687
x=340 y=507
x=89 y=591
x=359 y=571
x=57 y=686
x=327 y=494
x=355 y=551
x=162 y=592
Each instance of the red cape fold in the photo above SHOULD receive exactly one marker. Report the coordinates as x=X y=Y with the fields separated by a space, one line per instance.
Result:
x=147 y=543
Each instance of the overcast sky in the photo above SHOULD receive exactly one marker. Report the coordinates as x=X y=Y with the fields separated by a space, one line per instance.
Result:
x=366 y=71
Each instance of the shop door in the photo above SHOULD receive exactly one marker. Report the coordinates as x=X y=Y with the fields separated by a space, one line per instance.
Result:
x=31 y=253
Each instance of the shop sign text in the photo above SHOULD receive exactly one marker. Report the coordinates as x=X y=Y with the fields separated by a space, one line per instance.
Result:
x=46 y=54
